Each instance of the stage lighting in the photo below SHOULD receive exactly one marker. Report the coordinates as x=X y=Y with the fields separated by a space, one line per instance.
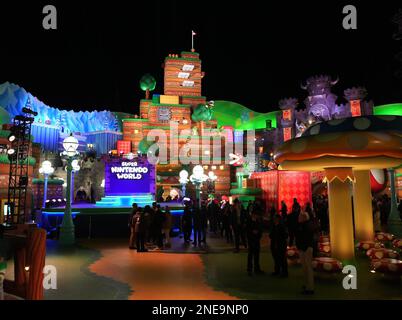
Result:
x=29 y=111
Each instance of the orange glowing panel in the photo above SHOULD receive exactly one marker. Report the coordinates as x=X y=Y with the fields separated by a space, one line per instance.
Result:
x=287 y=134
x=355 y=108
x=287 y=114
x=123 y=146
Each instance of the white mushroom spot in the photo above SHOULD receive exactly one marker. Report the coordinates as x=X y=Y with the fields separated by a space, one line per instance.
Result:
x=357 y=141
x=315 y=130
x=379 y=254
x=361 y=123
x=299 y=145
x=336 y=122
x=387 y=118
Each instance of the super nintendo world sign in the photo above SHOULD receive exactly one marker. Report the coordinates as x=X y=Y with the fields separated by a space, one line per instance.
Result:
x=127 y=177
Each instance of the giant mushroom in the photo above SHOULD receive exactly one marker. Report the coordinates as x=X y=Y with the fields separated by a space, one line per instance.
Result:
x=346 y=150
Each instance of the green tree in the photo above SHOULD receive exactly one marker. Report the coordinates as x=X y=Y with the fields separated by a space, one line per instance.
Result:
x=147 y=84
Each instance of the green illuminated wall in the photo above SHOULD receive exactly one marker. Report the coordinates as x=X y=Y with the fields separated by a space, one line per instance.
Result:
x=229 y=113
x=394 y=109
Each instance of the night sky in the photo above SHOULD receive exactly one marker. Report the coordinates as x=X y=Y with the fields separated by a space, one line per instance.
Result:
x=253 y=53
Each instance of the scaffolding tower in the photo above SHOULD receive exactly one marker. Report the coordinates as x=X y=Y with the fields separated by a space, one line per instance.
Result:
x=18 y=155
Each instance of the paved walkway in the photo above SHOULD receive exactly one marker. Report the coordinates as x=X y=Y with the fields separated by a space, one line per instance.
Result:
x=156 y=275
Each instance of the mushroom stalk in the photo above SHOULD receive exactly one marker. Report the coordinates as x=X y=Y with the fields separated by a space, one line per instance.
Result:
x=362 y=205
x=340 y=218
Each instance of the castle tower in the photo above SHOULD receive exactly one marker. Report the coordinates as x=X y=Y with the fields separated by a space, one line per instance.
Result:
x=183 y=77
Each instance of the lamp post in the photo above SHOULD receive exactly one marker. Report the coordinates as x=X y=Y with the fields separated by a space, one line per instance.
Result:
x=76 y=168
x=46 y=169
x=67 y=237
x=183 y=181
x=211 y=181
x=197 y=179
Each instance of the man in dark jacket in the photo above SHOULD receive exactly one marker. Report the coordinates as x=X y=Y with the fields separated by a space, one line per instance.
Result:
x=254 y=234
x=140 y=228
x=279 y=236
x=238 y=222
x=197 y=226
x=305 y=244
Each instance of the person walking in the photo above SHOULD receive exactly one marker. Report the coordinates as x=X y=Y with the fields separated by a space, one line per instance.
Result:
x=226 y=212
x=187 y=222
x=203 y=224
x=284 y=211
x=237 y=221
x=293 y=221
x=159 y=219
x=305 y=244
x=140 y=230
x=167 y=226
x=279 y=238
x=197 y=226
x=254 y=234
x=131 y=224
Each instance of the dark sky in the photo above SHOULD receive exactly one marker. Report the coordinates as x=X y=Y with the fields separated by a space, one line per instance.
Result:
x=254 y=53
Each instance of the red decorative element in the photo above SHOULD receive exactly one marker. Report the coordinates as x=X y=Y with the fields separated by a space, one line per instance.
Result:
x=284 y=185
x=387 y=266
x=229 y=133
x=382 y=253
x=366 y=245
x=378 y=180
x=397 y=243
x=384 y=237
x=326 y=264
x=287 y=114
x=324 y=238
x=123 y=146
x=287 y=134
x=324 y=248
x=355 y=108
x=292 y=253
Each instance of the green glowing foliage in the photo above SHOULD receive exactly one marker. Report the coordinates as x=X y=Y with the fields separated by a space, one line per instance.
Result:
x=202 y=113
x=147 y=84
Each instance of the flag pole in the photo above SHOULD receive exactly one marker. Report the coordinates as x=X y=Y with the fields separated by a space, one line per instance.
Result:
x=192 y=41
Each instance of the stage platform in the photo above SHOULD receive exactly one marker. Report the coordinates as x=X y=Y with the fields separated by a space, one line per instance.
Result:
x=93 y=220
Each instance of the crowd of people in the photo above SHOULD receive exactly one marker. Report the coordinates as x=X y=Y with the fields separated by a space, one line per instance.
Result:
x=243 y=226
x=150 y=226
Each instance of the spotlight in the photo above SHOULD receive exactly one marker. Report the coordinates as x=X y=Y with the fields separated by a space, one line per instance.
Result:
x=29 y=111
x=11 y=137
